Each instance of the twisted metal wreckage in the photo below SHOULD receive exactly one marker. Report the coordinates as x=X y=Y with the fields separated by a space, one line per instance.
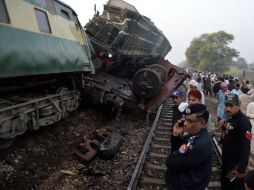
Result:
x=128 y=54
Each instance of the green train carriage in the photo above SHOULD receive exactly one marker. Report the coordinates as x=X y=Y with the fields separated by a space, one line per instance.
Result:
x=44 y=55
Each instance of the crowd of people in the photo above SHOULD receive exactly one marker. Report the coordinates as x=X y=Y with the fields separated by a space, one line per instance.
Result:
x=189 y=165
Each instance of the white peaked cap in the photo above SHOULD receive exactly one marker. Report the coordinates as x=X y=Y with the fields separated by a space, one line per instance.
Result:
x=183 y=106
x=193 y=83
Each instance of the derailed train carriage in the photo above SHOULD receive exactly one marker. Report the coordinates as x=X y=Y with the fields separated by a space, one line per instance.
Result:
x=44 y=57
x=129 y=53
x=46 y=60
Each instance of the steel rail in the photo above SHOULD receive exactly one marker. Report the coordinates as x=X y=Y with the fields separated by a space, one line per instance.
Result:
x=133 y=182
x=217 y=149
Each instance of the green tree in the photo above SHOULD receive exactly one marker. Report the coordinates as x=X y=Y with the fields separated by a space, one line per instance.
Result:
x=240 y=63
x=211 y=52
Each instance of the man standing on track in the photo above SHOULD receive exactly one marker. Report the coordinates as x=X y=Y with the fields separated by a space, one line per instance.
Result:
x=189 y=167
x=235 y=145
x=177 y=97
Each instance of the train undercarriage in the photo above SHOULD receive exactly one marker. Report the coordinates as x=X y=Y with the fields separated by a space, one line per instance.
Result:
x=146 y=91
x=27 y=107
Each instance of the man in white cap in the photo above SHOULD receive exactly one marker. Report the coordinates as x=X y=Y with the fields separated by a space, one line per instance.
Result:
x=220 y=101
x=194 y=85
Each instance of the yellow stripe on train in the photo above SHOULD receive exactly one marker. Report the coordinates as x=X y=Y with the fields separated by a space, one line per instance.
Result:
x=24 y=18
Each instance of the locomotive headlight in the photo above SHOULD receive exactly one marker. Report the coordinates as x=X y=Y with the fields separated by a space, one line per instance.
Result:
x=110 y=55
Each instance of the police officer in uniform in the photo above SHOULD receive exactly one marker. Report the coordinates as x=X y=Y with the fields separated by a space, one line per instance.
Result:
x=189 y=167
x=235 y=145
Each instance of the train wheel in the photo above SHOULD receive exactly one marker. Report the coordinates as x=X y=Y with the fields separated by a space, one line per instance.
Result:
x=67 y=106
x=5 y=103
x=160 y=70
x=5 y=141
x=61 y=90
x=146 y=84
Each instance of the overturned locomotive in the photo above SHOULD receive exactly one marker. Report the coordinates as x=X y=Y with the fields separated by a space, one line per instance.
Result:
x=128 y=55
x=46 y=63
x=43 y=61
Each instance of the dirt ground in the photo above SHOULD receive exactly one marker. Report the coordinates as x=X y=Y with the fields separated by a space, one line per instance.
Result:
x=44 y=159
x=41 y=159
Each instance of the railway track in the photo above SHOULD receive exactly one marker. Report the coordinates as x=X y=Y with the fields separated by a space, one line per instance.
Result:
x=150 y=169
x=216 y=167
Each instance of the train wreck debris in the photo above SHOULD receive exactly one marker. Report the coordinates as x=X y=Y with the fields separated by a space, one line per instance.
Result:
x=118 y=60
x=129 y=53
x=124 y=41
x=105 y=88
x=102 y=142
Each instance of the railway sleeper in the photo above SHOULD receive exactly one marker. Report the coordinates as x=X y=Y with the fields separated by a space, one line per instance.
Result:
x=163 y=136
x=163 y=128
x=214 y=185
x=154 y=173
x=159 y=150
x=163 y=123
x=161 y=146
x=162 y=140
x=166 y=115
x=166 y=119
x=157 y=160
x=151 y=183
x=162 y=133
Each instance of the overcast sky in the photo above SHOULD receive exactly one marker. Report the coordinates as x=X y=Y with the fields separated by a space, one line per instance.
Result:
x=182 y=20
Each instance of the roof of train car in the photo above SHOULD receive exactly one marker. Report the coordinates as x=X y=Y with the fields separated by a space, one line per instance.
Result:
x=122 y=4
x=67 y=6
x=126 y=6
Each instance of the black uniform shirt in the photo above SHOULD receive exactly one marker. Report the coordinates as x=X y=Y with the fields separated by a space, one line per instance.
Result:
x=176 y=114
x=236 y=143
x=190 y=169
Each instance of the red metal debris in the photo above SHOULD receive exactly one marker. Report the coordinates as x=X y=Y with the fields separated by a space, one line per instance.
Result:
x=90 y=146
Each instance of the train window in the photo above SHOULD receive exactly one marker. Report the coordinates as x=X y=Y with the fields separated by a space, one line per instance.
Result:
x=42 y=20
x=65 y=15
x=4 y=17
